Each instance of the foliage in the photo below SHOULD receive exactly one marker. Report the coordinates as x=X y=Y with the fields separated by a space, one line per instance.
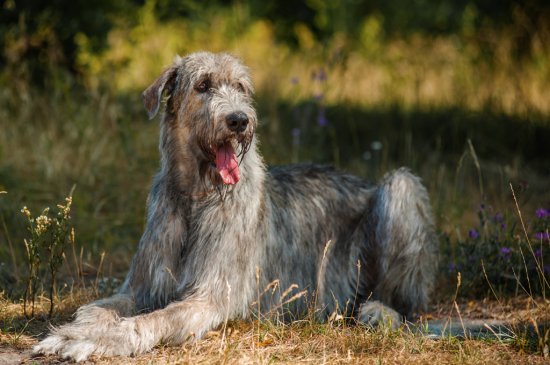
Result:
x=45 y=250
x=369 y=69
x=497 y=255
x=39 y=31
x=366 y=86
x=475 y=55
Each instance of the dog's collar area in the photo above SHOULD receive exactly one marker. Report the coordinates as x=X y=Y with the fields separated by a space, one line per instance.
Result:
x=199 y=195
x=222 y=190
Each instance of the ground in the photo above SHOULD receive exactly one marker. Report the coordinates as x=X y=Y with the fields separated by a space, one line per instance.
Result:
x=253 y=342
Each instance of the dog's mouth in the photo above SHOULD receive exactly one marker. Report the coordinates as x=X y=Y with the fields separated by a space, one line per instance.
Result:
x=224 y=157
x=227 y=164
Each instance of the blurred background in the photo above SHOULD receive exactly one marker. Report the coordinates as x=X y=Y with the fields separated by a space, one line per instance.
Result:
x=458 y=90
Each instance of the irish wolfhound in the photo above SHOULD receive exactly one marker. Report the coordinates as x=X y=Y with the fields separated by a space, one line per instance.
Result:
x=220 y=226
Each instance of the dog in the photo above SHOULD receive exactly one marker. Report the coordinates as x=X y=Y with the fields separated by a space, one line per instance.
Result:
x=221 y=226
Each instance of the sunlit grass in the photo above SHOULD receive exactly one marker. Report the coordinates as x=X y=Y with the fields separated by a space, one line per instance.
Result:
x=306 y=341
x=414 y=71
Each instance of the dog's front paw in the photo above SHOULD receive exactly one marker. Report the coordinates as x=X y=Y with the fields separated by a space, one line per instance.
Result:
x=79 y=340
x=374 y=314
x=78 y=350
x=49 y=346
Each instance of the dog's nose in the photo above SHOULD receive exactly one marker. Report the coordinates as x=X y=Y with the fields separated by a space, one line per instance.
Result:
x=237 y=122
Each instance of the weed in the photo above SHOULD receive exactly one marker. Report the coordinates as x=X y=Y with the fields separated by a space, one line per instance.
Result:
x=45 y=250
x=496 y=252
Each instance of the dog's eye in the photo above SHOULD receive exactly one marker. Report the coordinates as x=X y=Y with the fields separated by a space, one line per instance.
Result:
x=203 y=86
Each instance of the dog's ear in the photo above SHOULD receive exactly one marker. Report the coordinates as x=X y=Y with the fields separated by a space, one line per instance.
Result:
x=153 y=94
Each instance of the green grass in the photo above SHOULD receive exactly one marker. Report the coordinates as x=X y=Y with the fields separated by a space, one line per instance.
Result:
x=468 y=122
x=104 y=145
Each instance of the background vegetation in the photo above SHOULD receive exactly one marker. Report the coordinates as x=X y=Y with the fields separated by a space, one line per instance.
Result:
x=457 y=90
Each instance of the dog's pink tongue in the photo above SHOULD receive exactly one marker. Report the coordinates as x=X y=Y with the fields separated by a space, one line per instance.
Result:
x=226 y=162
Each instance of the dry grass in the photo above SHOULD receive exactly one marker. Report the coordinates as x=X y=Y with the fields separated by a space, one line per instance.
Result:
x=253 y=342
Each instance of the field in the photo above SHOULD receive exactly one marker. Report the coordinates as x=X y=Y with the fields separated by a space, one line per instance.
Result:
x=305 y=341
x=464 y=110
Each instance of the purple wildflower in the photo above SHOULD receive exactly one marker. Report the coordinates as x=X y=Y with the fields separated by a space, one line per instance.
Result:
x=452 y=267
x=538 y=253
x=503 y=226
x=319 y=75
x=473 y=234
x=542 y=213
x=542 y=236
x=296 y=136
x=523 y=185
x=499 y=217
x=321 y=117
x=506 y=253
x=546 y=269
x=482 y=206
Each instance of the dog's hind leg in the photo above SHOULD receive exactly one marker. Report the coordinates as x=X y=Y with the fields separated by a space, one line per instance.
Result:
x=404 y=246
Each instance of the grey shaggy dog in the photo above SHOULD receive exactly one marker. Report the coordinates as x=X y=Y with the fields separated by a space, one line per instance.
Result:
x=221 y=228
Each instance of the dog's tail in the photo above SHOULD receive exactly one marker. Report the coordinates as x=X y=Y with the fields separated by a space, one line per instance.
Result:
x=406 y=242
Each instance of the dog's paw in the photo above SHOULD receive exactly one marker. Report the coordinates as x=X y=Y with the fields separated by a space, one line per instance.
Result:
x=375 y=314
x=78 y=350
x=80 y=340
x=49 y=346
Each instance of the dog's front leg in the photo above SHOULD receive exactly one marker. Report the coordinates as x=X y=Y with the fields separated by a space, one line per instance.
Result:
x=94 y=334
x=106 y=326
x=90 y=322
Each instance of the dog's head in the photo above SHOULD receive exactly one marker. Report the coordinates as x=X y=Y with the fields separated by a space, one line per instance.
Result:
x=208 y=103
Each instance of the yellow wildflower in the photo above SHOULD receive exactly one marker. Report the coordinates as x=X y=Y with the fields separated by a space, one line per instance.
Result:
x=26 y=211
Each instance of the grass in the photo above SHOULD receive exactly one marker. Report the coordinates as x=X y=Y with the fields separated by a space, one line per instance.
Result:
x=467 y=70
x=109 y=151
x=304 y=341
x=420 y=98
x=111 y=156
x=461 y=110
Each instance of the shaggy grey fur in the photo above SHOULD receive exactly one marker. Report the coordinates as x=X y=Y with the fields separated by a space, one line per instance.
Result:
x=209 y=249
